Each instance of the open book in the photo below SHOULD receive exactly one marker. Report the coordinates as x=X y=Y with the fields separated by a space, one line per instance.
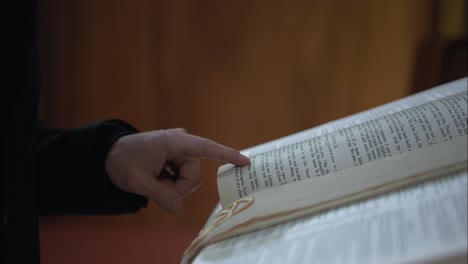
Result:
x=386 y=185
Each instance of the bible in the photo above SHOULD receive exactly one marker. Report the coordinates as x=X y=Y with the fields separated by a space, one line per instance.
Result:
x=386 y=185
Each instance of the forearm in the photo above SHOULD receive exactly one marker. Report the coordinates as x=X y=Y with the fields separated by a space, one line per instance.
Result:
x=71 y=176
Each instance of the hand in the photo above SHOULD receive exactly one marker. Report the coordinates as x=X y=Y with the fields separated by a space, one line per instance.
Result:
x=135 y=162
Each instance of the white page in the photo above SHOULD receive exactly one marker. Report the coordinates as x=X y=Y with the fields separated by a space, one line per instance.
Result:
x=402 y=131
x=418 y=223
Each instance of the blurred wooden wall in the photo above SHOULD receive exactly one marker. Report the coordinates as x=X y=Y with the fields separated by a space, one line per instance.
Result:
x=239 y=72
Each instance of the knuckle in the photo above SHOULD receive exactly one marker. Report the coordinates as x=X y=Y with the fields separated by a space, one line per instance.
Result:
x=154 y=138
x=175 y=131
x=166 y=133
x=172 y=134
x=164 y=137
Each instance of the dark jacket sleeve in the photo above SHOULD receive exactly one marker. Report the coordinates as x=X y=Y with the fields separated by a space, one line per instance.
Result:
x=71 y=176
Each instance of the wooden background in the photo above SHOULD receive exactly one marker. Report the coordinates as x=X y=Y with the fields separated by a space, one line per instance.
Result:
x=238 y=72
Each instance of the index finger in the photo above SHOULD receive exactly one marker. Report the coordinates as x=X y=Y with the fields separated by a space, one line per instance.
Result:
x=190 y=145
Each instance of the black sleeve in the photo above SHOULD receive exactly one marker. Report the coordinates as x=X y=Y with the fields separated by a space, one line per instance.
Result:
x=71 y=177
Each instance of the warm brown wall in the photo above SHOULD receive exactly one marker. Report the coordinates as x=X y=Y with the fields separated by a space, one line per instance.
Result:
x=239 y=72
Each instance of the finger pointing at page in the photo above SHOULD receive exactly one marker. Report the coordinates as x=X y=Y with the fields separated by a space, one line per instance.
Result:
x=135 y=163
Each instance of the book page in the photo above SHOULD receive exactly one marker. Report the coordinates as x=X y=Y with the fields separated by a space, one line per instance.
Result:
x=414 y=127
x=422 y=223
x=433 y=94
x=281 y=204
